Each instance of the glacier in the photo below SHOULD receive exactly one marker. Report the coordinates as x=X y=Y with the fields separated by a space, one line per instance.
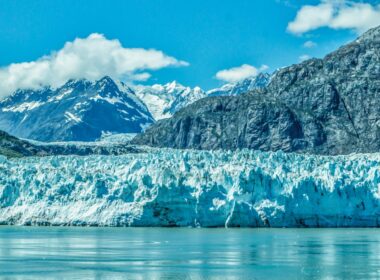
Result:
x=165 y=187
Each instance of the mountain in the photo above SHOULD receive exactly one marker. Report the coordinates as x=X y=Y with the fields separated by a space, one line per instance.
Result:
x=164 y=100
x=249 y=84
x=83 y=110
x=323 y=106
x=11 y=146
x=80 y=110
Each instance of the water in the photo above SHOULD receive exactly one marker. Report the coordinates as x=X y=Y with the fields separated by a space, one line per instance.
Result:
x=154 y=253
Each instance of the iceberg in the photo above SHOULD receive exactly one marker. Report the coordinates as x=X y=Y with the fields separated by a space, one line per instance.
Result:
x=166 y=187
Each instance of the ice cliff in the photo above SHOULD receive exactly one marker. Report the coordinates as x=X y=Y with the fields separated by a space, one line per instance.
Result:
x=192 y=188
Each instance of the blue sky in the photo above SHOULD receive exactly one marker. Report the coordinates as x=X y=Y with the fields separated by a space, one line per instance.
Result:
x=209 y=35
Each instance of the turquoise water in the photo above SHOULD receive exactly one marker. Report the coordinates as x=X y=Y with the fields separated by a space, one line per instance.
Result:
x=154 y=253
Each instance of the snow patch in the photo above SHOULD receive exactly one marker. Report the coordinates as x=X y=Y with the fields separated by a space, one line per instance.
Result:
x=26 y=106
x=71 y=117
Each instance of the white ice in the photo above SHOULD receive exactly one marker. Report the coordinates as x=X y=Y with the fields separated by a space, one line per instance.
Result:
x=192 y=188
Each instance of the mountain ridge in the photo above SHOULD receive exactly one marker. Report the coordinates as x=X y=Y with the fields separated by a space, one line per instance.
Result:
x=257 y=82
x=80 y=110
x=42 y=114
x=165 y=100
x=323 y=106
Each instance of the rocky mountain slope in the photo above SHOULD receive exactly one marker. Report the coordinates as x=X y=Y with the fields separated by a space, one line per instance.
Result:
x=324 y=106
x=12 y=147
x=258 y=82
x=80 y=110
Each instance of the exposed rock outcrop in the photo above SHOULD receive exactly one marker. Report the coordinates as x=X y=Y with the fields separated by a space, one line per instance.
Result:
x=323 y=106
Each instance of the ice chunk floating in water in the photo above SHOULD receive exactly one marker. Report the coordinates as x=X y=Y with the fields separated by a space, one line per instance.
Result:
x=192 y=188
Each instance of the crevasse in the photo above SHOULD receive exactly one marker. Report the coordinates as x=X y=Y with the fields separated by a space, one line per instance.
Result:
x=166 y=187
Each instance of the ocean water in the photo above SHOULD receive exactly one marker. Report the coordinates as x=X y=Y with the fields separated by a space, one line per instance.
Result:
x=170 y=253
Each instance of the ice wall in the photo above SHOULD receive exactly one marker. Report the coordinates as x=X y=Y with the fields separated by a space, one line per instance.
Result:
x=192 y=188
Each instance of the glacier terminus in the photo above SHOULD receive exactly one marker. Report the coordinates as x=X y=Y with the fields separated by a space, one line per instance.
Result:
x=174 y=188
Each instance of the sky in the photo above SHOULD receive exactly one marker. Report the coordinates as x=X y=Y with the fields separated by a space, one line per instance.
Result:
x=197 y=43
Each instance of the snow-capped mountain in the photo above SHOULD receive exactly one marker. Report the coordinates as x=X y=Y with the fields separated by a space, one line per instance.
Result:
x=80 y=110
x=258 y=82
x=83 y=110
x=164 y=100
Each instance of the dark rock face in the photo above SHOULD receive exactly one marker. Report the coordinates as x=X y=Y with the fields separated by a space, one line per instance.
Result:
x=11 y=146
x=80 y=110
x=323 y=106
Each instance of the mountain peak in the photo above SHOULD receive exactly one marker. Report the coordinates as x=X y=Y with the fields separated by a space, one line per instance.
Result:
x=72 y=82
x=257 y=82
x=174 y=85
x=106 y=79
x=80 y=110
x=164 y=100
x=324 y=106
x=371 y=35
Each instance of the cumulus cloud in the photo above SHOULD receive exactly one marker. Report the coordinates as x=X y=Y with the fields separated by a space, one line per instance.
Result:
x=240 y=73
x=309 y=44
x=336 y=14
x=91 y=58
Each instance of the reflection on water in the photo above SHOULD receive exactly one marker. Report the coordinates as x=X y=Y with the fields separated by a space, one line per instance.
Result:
x=153 y=253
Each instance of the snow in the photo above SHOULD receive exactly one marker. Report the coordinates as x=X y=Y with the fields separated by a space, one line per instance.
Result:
x=123 y=88
x=26 y=106
x=118 y=138
x=249 y=84
x=164 y=100
x=225 y=89
x=157 y=105
x=71 y=117
x=164 y=187
x=61 y=95
x=112 y=100
x=24 y=118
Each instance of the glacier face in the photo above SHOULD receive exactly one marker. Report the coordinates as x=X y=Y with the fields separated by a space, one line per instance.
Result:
x=192 y=188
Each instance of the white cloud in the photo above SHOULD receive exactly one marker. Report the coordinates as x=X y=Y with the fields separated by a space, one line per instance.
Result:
x=240 y=73
x=336 y=14
x=304 y=57
x=311 y=17
x=91 y=58
x=309 y=44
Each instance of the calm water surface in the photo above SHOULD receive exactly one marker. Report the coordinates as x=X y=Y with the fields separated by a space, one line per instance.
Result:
x=153 y=253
